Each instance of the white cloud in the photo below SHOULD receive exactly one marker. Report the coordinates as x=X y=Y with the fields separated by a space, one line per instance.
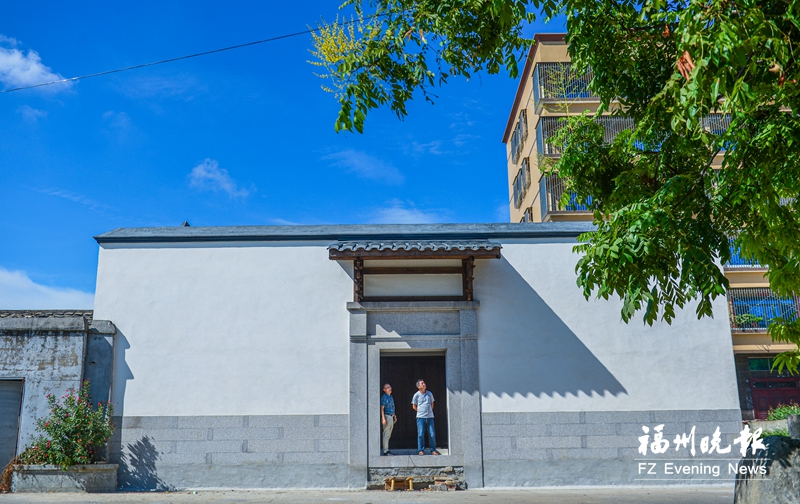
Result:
x=464 y=139
x=208 y=176
x=8 y=41
x=118 y=120
x=18 y=68
x=182 y=87
x=19 y=292
x=399 y=212
x=31 y=114
x=433 y=147
x=461 y=120
x=501 y=213
x=283 y=222
x=365 y=166
x=93 y=205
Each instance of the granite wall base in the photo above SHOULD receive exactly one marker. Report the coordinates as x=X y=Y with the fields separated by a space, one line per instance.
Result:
x=601 y=448
x=175 y=452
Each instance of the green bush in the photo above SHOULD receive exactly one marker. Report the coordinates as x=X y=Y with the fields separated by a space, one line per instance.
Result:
x=781 y=431
x=74 y=433
x=783 y=411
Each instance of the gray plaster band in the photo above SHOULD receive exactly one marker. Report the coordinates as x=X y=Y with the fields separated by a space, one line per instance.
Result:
x=103 y=327
x=44 y=324
x=316 y=451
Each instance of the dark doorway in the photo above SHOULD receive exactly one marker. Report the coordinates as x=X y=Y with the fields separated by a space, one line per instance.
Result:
x=10 y=401
x=769 y=393
x=402 y=372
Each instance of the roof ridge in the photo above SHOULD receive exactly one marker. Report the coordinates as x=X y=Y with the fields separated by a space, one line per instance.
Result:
x=86 y=314
x=348 y=232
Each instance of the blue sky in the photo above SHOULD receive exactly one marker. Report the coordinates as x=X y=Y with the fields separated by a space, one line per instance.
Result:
x=243 y=137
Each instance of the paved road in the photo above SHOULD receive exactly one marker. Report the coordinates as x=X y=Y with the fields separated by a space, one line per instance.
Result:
x=528 y=496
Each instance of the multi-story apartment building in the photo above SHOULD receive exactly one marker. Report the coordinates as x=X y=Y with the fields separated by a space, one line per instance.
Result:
x=549 y=90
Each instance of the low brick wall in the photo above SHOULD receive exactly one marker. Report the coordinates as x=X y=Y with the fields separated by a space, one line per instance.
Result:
x=767 y=425
x=95 y=478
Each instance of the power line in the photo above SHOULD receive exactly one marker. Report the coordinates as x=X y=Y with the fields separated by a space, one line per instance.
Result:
x=170 y=60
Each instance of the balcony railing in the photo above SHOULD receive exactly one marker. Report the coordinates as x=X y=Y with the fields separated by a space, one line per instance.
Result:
x=717 y=123
x=555 y=82
x=737 y=261
x=551 y=189
x=549 y=125
x=752 y=309
x=613 y=125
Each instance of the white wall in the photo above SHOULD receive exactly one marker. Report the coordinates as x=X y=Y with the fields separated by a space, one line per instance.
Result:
x=543 y=347
x=262 y=328
x=226 y=329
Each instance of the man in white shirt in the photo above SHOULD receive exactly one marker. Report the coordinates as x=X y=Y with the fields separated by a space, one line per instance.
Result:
x=422 y=403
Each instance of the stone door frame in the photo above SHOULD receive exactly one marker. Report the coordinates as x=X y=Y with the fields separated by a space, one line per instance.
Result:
x=415 y=326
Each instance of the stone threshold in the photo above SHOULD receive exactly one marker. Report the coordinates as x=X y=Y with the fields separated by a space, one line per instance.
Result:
x=400 y=461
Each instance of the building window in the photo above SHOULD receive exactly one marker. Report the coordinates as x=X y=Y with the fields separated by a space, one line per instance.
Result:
x=753 y=308
x=522 y=182
x=519 y=135
x=518 y=192
x=759 y=364
x=528 y=215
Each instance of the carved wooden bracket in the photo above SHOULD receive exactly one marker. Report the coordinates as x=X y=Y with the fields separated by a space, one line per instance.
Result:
x=358 y=280
x=468 y=266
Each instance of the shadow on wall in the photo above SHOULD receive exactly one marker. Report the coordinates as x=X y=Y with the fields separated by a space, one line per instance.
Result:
x=137 y=466
x=528 y=349
x=122 y=373
x=98 y=366
x=137 y=461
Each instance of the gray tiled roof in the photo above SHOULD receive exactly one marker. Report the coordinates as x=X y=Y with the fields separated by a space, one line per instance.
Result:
x=346 y=233
x=43 y=314
x=415 y=245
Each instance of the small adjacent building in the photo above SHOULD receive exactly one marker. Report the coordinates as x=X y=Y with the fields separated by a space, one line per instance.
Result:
x=46 y=352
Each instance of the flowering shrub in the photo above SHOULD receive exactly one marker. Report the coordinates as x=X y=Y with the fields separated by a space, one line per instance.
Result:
x=73 y=433
x=783 y=411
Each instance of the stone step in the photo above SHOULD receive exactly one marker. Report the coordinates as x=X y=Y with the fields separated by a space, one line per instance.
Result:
x=423 y=477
